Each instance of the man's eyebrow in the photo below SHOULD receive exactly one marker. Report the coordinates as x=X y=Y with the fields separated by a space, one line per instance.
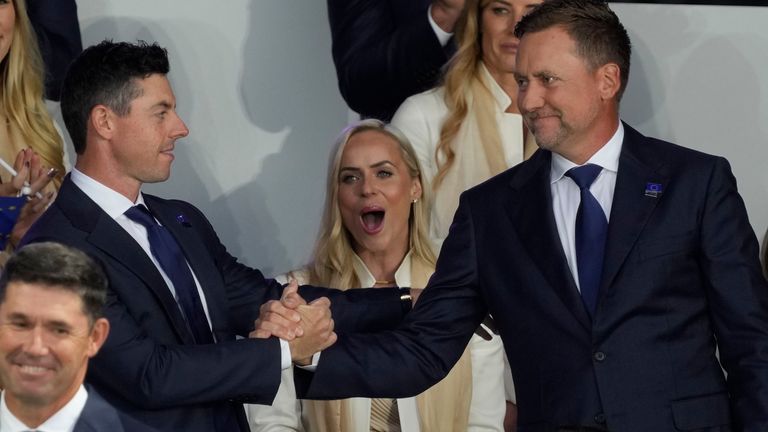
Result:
x=162 y=104
x=17 y=316
x=59 y=324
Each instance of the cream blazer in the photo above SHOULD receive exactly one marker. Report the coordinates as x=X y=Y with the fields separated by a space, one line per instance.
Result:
x=487 y=382
x=420 y=118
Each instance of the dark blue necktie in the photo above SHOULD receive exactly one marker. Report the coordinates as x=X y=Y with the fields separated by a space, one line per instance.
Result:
x=174 y=264
x=591 y=232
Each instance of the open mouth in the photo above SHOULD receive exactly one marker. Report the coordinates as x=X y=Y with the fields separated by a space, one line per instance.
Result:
x=372 y=219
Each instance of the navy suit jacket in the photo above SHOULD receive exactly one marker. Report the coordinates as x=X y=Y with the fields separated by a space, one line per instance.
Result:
x=58 y=34
x=99 y=416
x=681 y=277
x=384 y=52
x=149 y=366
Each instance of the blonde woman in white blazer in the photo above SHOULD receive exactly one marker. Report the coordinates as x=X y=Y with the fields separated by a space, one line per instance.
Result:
x=470 y=129
x=374 y=234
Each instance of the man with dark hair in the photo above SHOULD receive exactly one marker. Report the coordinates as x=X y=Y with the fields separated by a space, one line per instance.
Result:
x=613 y=264
x=177 y=299
x=51 y=324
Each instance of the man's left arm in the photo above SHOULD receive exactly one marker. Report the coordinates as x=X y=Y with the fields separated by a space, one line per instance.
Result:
x=738 y=297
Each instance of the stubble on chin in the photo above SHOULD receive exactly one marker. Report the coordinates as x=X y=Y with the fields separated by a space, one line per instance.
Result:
x=546 y=141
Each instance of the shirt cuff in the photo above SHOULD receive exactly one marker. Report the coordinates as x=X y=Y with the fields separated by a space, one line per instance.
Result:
x=285 y=354
x=441 y=34
x=312 y=366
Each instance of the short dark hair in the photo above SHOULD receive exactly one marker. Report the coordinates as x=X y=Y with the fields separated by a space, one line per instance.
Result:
x=55 y=265
x=599 y=35
x=105 y=74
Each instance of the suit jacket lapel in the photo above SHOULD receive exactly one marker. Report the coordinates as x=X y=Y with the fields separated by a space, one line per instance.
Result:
x=98 y=416
x=109 y=237
x=631 y=207
x=530 y=208
x=199 y=260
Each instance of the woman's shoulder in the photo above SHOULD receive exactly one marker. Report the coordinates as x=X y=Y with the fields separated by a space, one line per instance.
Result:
x=428 y=101
x=420 y=118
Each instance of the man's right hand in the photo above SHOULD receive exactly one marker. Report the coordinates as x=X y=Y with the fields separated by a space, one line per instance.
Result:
x=308 y=328
x=318 y=333
x=279 y=317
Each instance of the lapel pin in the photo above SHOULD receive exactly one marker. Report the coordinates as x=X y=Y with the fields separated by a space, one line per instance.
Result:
x=653 y=190
x=183 y=220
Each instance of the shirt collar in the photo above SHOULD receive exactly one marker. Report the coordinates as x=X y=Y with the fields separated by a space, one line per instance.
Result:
x=502 y=98
x=112 y=202
x=607 y=157
x=402 y=275
x=62 y=421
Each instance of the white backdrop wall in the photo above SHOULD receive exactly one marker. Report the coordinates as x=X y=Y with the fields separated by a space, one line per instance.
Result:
x=255 y=83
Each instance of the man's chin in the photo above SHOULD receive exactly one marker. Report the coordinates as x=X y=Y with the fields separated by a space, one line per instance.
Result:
x=29 y=396
x=545 y=142
x=157 y=178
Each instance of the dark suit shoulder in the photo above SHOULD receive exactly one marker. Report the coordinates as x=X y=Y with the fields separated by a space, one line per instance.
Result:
x=98 y=416
x=183 y=209
x=52 y=225
x=663 y=152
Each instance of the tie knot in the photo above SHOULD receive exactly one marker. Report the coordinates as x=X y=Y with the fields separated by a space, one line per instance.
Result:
x=584 y=175
x=141 y=215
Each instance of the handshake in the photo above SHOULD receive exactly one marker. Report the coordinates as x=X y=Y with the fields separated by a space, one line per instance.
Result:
x=308 y=328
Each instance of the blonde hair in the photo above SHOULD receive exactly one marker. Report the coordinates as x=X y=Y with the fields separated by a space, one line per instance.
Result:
x=22 y=94
x=332 y=259
x=462 y=81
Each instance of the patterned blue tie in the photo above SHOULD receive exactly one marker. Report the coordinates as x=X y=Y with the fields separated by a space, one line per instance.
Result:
x=174 y=264
x=591 y=232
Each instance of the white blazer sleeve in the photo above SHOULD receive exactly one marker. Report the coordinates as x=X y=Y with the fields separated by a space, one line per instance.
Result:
x=283 y=415
x=488 y=400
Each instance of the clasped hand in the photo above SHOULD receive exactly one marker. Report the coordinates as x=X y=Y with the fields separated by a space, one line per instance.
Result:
x=308 y=328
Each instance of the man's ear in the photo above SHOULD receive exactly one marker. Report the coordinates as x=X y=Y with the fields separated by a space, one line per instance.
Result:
x=102 y=121
x=609 y=80
x=98 y=336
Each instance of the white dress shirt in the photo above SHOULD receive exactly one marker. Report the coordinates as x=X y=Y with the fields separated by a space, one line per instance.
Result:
x=62 y=421
x=115 y=205
x=566 y=195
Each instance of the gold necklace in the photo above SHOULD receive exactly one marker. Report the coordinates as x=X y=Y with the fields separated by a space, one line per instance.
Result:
x=383 y=282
